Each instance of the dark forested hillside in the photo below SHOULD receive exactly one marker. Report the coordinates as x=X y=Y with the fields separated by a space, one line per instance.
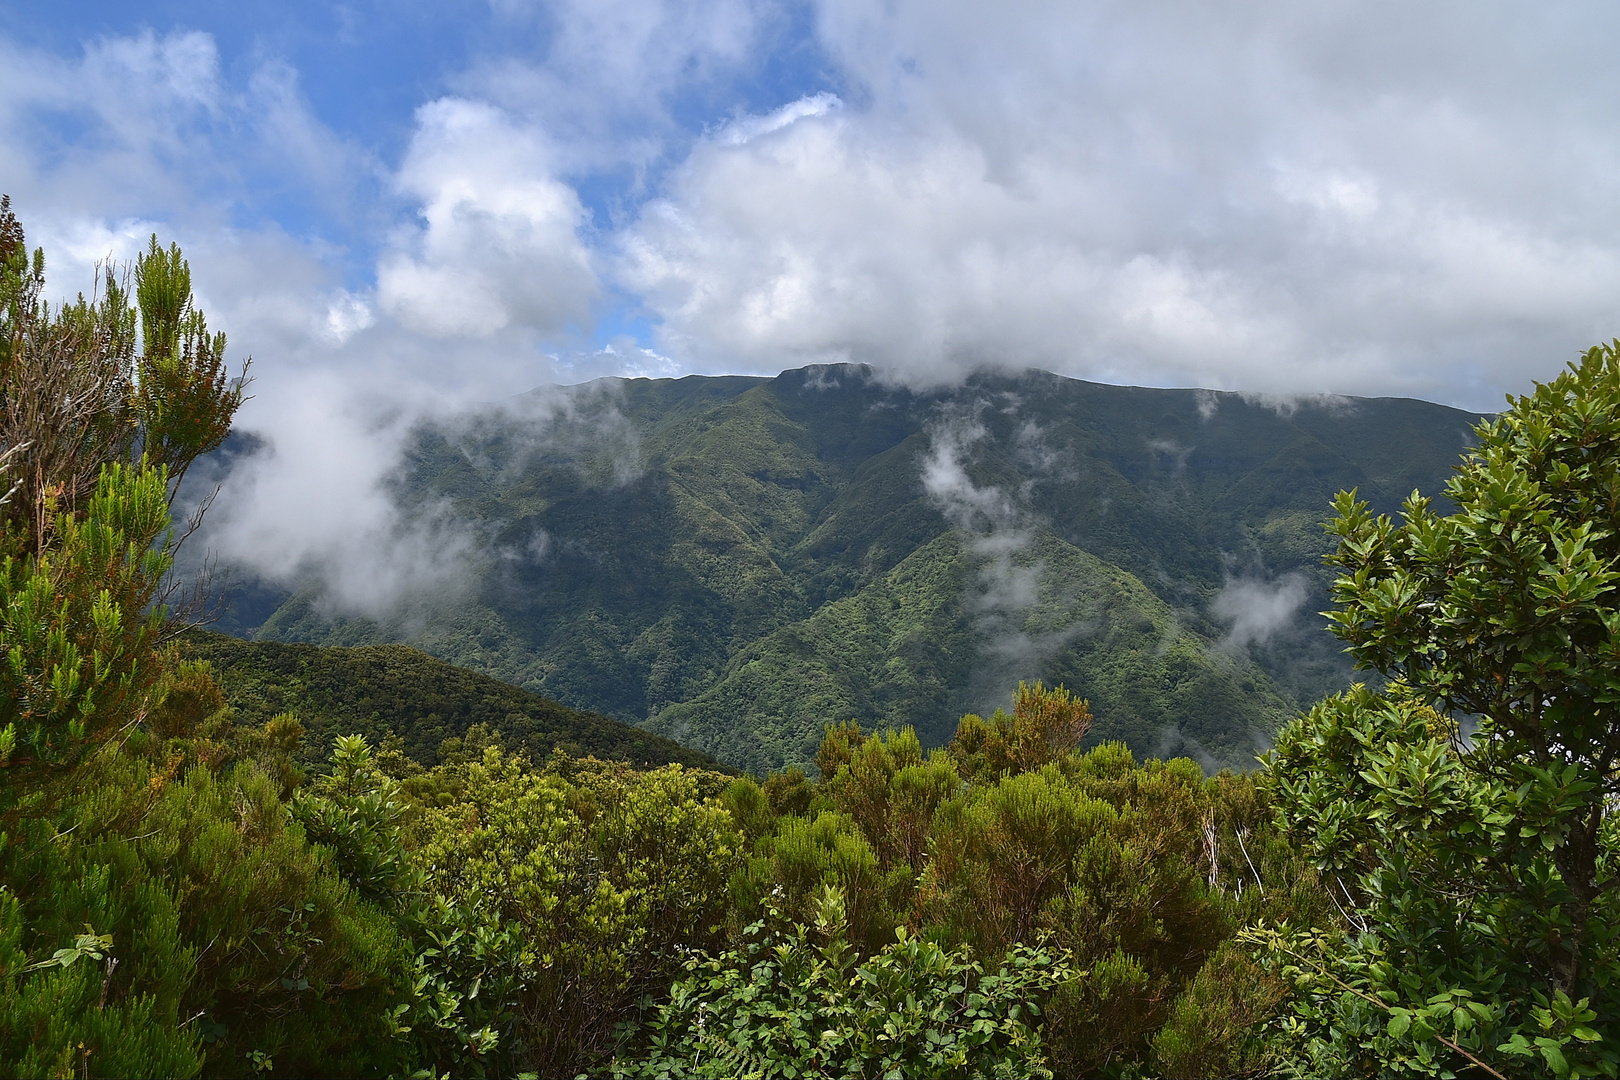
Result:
x=393 y=689
x=735 y=562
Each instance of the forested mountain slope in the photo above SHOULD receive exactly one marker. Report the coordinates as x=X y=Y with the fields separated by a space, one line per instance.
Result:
x=735 y=562
x=383 y=690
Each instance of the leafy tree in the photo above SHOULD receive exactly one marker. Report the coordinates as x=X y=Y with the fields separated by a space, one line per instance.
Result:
x=789 y=792
x=77 y=622
x=1472 y=806
x=160 y=912
x=81 y=389
x=1004 y=851
x=1216 y=1028
x=601 y=879
x=355 y=810
x=892 y=791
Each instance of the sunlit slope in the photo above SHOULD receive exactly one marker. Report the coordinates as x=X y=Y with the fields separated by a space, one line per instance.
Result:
x=921 y=646
x=738 y=561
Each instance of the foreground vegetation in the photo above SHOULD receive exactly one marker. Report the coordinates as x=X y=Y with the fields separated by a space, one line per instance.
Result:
x=183 y=891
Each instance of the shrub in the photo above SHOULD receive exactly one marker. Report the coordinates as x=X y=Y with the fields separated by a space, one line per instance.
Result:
x=791 y=1004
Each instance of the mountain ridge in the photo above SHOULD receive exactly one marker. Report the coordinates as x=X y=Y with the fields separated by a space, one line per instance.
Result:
x=394 y=690
x=645 y=541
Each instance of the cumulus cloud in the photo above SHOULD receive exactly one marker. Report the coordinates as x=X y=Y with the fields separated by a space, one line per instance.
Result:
x=500 y=245
x=167 y=144
x=1293 y=202
x=1256 y=610
x=606 y=81
x=1282 y=201
x=93 y=138
x=147 y=127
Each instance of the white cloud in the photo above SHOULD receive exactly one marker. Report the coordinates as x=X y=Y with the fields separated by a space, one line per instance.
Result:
x=103 y=135
x=500 y=246
x=1256 y=609
x=1383 y=199
x=1291 y=201
x=345 y=315
x=600 y=79
x=315 y=506
x=167 y=144
x=747 y=128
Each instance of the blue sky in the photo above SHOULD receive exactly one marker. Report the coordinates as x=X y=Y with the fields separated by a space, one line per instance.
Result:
x=407 y=208
x=361 y=70
x=364 y=68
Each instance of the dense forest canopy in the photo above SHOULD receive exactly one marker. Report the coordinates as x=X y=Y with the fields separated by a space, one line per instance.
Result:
x=393 y=693
x=734 y=562
x=1418 y=881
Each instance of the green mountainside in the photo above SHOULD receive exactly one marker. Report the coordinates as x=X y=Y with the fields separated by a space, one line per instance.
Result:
x=394 y=689
x=735 y=562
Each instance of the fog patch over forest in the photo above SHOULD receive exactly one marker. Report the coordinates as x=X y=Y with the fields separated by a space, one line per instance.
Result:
x=1257 y=610
x=1005 y=590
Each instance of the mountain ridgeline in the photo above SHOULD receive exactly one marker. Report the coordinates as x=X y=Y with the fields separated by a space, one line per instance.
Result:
x=736 y=562
x=380 y=691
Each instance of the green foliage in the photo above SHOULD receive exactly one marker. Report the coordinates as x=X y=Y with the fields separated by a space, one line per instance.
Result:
x=1045 y=724
x=354 y=810
x=376 y=691
x=905 y=649
x=55 y=1013
x=808 y=855
x=1216 y=1027
x=749 y=808
x=789 y=792
x=891 y=793
x=75 y=626
x=600 y=882
x=791 y=1004
x=1004 y=851
x=1480 y=906
x=469 y=974
x=736 y=561
x=184 y=395
x=190 y=701
x=160 y=912
x=1443 y=900
x=219 y=911
x=77 y=397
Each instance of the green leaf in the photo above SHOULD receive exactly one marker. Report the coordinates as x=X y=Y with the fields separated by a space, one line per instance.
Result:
x=1552 y=1052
